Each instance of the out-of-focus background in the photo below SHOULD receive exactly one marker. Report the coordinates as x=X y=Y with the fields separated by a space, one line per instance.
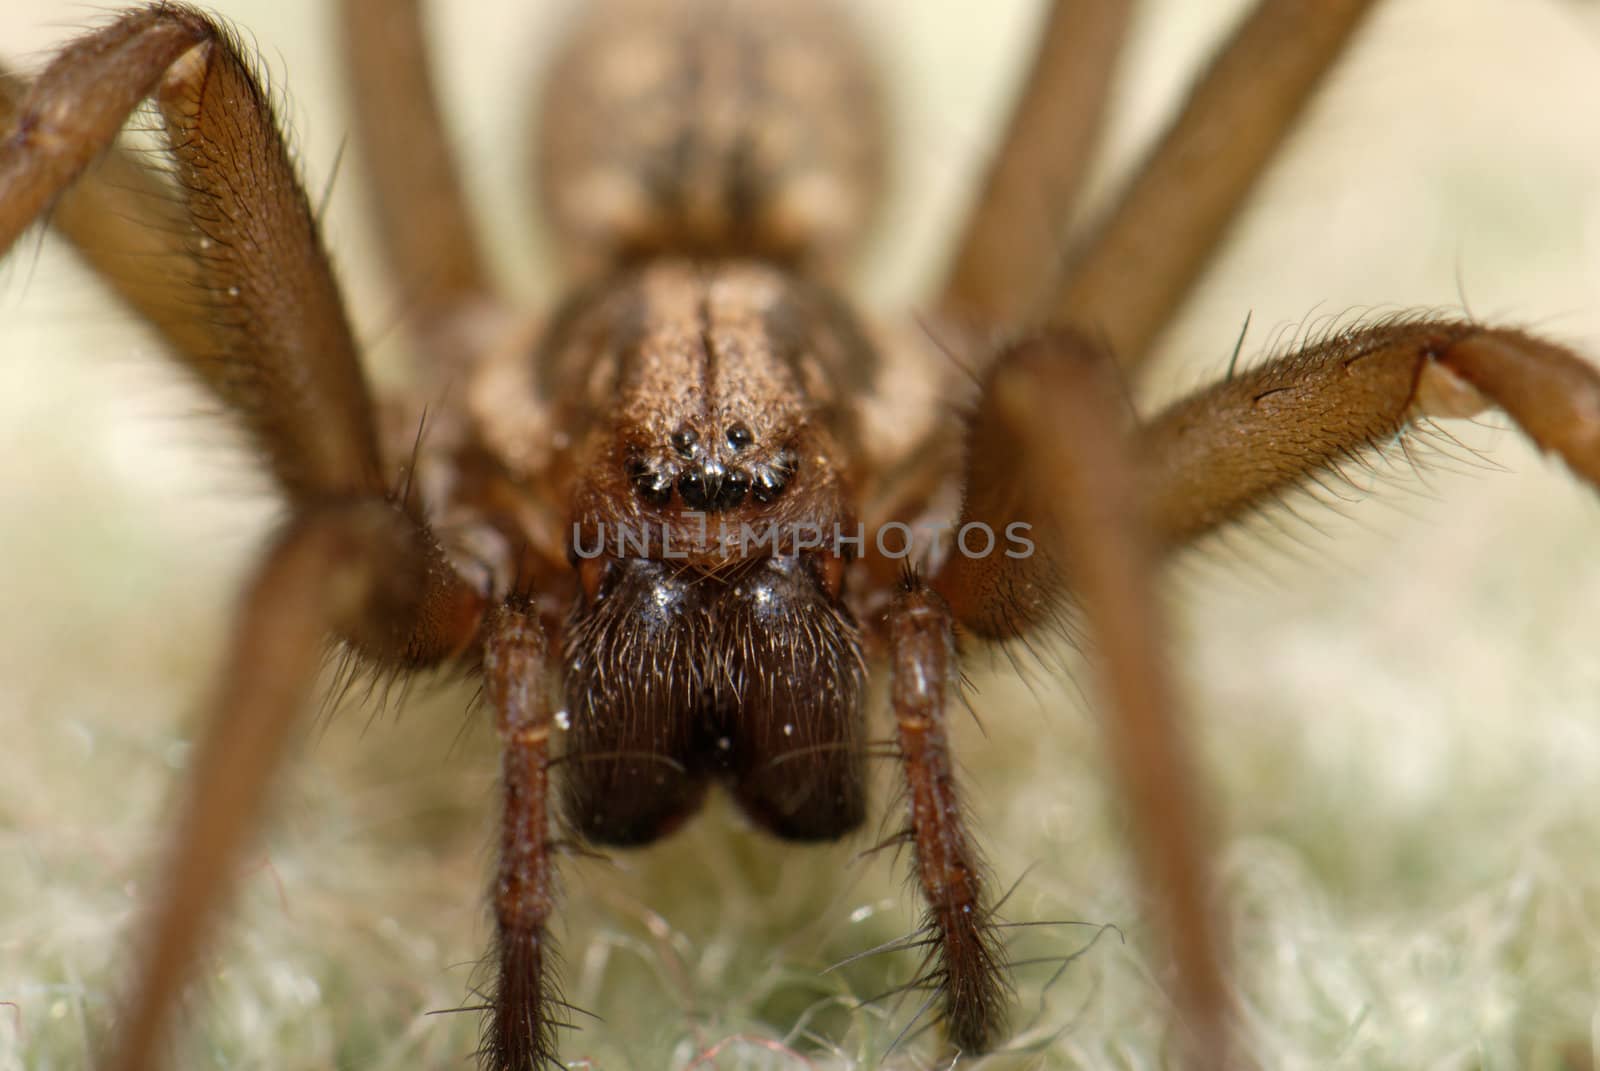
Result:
x=1397 y=701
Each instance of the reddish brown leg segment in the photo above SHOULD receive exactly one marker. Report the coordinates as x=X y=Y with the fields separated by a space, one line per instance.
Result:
x=1129 y=281
x=965 y=962
x=1015 y=235
x=1049 y=448
x=422 y=213
x=1214 y=456
x=364 y=571
x=520 y=1028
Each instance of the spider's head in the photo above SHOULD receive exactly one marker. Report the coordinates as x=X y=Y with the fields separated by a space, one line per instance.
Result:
x=715 y=432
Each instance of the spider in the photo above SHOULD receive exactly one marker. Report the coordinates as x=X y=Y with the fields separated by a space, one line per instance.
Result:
x=589 y=881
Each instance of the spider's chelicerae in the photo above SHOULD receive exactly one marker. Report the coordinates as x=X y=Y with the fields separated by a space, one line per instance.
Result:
x=714 y=940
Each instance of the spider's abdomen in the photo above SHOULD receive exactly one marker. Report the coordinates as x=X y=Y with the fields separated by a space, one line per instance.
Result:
x=749 y=128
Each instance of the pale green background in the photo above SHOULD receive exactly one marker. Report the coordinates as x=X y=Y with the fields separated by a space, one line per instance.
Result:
x=1400 y=705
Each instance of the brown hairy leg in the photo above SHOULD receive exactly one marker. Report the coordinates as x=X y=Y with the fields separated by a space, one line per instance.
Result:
x=1012 y=243
x=275 y=344
x=79 y=104
x=275 y=347
x=1048 y=445
x=1125 y=285
x=1203 y=462
x=417 y=196
x=1211 y=457
x=363 y=571
x=127 y=223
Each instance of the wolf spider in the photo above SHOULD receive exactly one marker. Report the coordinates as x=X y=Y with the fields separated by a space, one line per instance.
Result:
x=1068 y=529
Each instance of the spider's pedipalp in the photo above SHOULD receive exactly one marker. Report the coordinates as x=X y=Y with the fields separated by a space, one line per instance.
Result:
x=964 y=967
x=519 y=1033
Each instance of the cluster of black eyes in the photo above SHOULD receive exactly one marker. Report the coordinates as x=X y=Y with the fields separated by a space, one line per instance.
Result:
x=708 y=484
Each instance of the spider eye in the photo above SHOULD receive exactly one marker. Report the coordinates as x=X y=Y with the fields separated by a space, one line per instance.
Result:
x=774 y=478
x=739 y=436
x=712 y=487
x=735 y=485
x=685 y=441
x=650 y=484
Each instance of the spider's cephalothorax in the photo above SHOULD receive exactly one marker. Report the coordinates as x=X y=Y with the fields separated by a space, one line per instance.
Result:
x=653 y=528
